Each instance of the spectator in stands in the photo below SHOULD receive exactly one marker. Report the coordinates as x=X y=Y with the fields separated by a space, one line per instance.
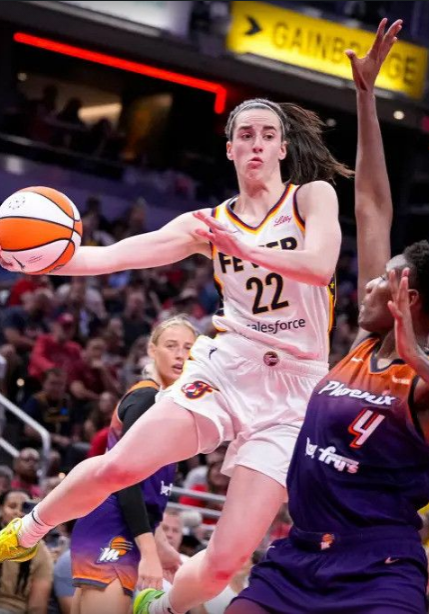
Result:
x=85 y=303
x=26 y=466
x=94 y=206
x=92 y=233
x=56 y=349
x=71 y=129
x=136 y=218
x=197 y=477
x=101 y=415
x=24 y=587
x=113 y=336
x=134 y=318
x=21 y=324
x=172 y=527
x=24 y=284
x=90 y=376
x=51 y=408
x=63 y=581
x=40 y=113
x=6 y=477
x=217 y=484
x=135 y=362
x=99 y=443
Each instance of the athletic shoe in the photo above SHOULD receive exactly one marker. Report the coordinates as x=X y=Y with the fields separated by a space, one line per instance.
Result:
x=10 y=550
x=144 y=599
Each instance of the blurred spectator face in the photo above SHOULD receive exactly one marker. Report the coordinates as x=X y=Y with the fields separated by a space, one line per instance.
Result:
x=12 y=506
x=216 y=480
x=217 y=455
x=139 y=348
x=93 y=205
x=39 y=301
x=6 y=477
x=49 y=484
x=172 y=525
x=116 y=328
x=137 y=216
x=54 y=385
x=27 y=464
x=95 y=349
x=107 y=404
x=77 y=293
x=135 y=304
x=64 y=327
x=171 y=351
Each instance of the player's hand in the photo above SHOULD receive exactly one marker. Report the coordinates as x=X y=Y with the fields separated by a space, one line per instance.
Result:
x=406 y=342
x=170 y=559
x=366 y=69
x=224 y=239
x=150 y=573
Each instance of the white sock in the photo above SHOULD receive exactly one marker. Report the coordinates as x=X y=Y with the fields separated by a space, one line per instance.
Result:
x=32 y=529
x=162 y=606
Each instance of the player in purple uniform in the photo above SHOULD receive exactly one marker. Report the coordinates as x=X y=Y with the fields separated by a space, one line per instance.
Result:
x=119 y=546
x=360 y=469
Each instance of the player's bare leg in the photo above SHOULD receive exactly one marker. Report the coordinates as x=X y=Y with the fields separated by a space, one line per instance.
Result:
x=253 y=501
x=111 y=600
x=165 y=434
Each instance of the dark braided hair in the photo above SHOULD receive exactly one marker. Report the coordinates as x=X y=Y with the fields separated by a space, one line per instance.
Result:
x=24 y=568
x=308 y=157
x=417 y=257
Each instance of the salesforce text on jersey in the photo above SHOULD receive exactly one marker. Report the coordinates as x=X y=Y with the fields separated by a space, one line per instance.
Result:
x=275 y=327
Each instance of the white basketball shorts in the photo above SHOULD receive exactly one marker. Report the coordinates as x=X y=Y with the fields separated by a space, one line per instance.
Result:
x=254 y=396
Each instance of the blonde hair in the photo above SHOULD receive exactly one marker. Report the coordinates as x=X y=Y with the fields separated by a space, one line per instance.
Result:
x=179 y=320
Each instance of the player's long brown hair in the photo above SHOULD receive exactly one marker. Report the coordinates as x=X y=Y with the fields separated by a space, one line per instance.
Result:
x=308 y=158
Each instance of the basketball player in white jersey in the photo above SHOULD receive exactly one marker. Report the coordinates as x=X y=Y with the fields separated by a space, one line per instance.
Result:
x=274 y=248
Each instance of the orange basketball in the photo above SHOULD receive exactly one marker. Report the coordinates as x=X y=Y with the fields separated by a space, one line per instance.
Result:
x=40 y=230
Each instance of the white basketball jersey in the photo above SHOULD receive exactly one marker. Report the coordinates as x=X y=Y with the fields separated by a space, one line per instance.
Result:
x=262 y=305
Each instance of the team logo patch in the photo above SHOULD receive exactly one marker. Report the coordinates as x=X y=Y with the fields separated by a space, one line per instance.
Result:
x=271 y=358
x=196 y=390
x=117 y=548
x=327 y=541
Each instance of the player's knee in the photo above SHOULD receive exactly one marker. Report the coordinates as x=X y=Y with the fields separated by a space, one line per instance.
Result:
x=115 y=473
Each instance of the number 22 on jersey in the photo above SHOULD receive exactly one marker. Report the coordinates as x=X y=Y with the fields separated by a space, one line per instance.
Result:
x=363 y=426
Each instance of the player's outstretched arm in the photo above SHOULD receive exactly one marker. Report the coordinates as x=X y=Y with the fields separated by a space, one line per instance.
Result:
x=373 y=201
x=315 y=264
x=171 y=243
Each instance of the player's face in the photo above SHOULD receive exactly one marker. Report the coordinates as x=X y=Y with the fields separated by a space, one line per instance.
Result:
x=171 y=351
x=257 y=145
x=374 y=314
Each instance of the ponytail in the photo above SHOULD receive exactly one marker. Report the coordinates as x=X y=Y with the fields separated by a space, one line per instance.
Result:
x=308 y=158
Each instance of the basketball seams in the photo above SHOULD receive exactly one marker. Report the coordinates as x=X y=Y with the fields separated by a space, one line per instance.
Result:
x=26 y=249
x=51 y=267
x=43 y=243
x=39 y=219
x=39 y=190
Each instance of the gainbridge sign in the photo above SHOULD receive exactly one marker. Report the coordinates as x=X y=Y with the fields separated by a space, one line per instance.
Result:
x=289 y=37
